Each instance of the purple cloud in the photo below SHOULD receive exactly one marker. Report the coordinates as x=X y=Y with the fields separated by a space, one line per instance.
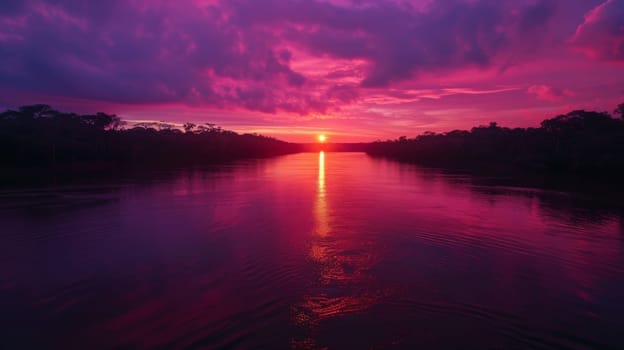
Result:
x=398 y=39
x=247 y=53
x=601 y=35
x=141 y=54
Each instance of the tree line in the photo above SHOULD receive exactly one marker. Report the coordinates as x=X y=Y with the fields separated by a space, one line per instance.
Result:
x=580 y=142
x=38 y=136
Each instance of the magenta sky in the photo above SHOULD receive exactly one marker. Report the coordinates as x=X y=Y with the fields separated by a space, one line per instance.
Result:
x=357 y=70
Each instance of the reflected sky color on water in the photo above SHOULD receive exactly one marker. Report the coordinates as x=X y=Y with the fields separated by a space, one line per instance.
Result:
x=309 y=251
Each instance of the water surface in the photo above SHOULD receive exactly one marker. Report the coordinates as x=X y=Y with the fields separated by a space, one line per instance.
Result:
x=309 y=251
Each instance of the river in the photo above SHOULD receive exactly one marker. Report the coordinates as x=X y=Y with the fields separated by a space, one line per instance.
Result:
x=308 y=251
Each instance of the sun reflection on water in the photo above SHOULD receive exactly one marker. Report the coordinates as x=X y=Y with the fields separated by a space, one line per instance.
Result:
x=321 y=174
x=343 y=263
x=320 y=207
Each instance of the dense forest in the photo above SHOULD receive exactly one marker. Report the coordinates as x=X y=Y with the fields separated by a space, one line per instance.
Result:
x=38 y=136
x=578 y=143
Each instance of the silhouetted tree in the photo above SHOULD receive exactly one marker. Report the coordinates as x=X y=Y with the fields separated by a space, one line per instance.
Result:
x=619 y=110
x=189 y=127
x=103 y=121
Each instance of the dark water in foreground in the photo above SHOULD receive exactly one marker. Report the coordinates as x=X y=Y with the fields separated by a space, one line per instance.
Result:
x=309 y=251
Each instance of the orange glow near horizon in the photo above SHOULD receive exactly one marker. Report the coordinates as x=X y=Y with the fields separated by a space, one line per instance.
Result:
x=322 y=138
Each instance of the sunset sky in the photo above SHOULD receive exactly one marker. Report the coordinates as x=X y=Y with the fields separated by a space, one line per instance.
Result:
x=354 y=70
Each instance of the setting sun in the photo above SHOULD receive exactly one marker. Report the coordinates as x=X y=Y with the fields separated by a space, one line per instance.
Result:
x=322 y=138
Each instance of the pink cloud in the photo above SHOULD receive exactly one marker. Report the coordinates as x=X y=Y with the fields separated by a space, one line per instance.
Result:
x=601 y=35
x=549 y=93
